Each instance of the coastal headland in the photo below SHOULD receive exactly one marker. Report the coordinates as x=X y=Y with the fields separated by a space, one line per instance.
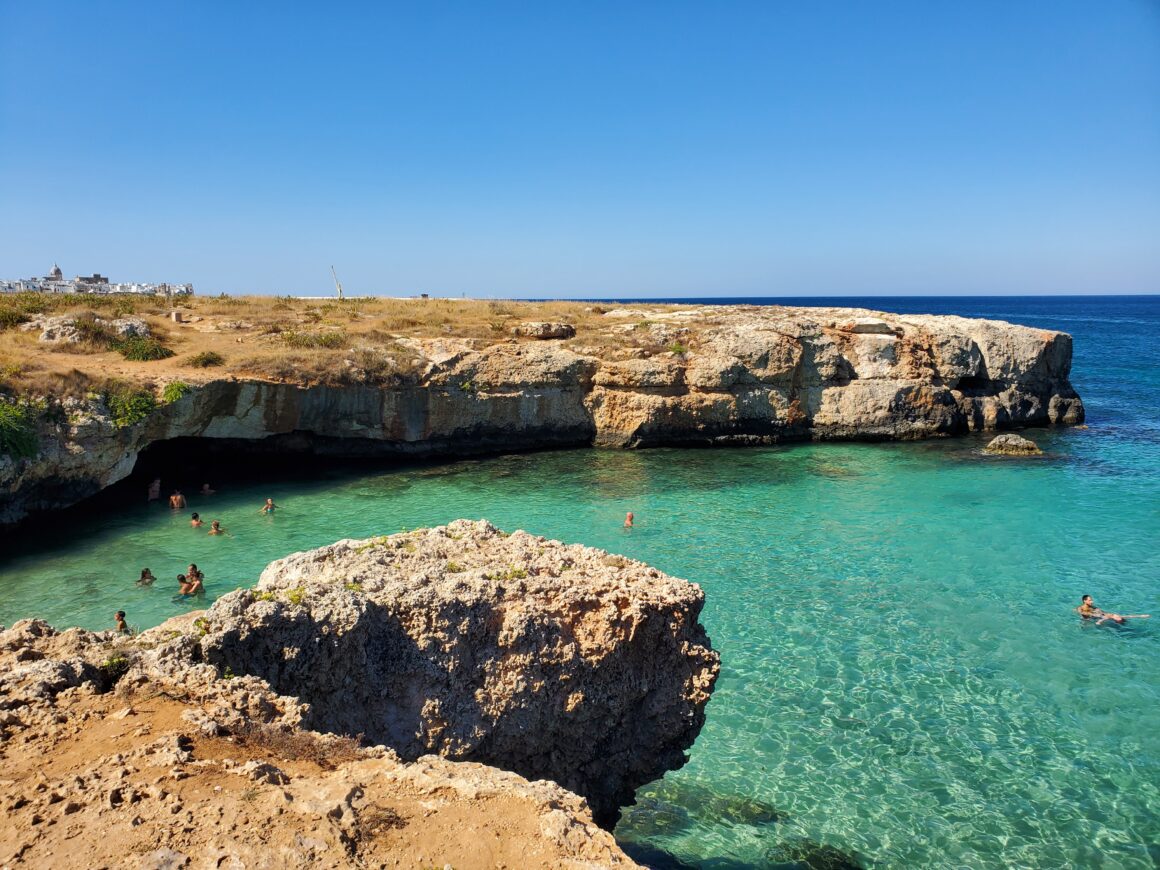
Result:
x=385 y=377
x=451 y=695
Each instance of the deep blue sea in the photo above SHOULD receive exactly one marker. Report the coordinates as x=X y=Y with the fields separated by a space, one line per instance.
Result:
x=904 y=682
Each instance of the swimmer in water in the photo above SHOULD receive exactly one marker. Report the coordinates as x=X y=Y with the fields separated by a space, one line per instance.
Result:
x=155 y=489
x=205 y=490
x=122 y=626
x=146 y=578
x=1088 y=610
x=177 y=500
x=269 y=507
x=215 y=528
x=628 y=520
x=195 y=521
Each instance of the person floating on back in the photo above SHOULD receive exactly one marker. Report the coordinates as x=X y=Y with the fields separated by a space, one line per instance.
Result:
x=1088 y=610
x=269 y=507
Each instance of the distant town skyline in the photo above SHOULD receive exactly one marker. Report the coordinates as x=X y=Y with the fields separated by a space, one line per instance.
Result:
x=586 y=150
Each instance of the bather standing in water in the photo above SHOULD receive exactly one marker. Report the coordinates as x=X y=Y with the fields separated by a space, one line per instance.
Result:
x=195 y=521
x=269 y=507
x=215 y=528
x=122 y=626
x=146 y=578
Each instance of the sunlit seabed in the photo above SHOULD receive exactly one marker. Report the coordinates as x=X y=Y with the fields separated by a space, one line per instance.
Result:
x=903 y=679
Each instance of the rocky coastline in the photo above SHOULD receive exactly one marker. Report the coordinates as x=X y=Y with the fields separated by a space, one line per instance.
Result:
x=452 y=695
x=714 y=375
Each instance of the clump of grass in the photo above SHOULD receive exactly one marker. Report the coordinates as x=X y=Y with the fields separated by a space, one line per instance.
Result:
x=326 y=752
x=678 y=348
x=18 y=420
x=206 y=359
x=454 y=568
x=296 y=596
x=509 y=573
x=140 y=348
x=174 y=391
x=331 y=340
x=128 y=405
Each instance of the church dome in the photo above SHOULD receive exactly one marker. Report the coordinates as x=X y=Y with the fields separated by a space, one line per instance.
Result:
x=56 y=274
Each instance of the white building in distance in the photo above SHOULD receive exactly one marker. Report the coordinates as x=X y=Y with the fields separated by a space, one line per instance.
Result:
x=55 y=282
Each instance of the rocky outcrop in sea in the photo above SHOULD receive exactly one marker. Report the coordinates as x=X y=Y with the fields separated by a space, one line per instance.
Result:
x=400 y=696
x=715 y=375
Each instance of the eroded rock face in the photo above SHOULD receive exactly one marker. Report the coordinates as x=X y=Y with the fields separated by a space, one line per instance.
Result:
x=132 y=752
x=556 y=662
x=719 y=375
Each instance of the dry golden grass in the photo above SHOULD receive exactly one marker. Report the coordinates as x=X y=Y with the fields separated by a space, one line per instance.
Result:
x=278 y=338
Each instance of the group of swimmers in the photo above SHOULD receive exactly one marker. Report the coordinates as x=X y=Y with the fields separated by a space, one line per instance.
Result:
x=192 y=582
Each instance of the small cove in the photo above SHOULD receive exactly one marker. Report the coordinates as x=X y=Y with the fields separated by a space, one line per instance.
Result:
x=903 y=679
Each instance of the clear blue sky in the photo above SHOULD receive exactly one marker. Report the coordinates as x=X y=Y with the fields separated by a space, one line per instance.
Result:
x=586 y=149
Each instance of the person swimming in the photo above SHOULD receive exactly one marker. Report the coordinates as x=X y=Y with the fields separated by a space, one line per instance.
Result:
x=146 y=578
x=122 y=626
x=206 y=490
x=215 y=528
x=155 y=489
x=1088 y=610
x=628 y=520
x=269 y=507
x=177 y=500
x=195 y=521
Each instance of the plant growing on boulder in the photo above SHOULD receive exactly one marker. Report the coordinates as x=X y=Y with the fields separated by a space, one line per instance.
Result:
x=18 y=428
x=174 y=391
x=127 y=404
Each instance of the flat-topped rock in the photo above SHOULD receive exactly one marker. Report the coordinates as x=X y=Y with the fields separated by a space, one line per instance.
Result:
x=700 y=375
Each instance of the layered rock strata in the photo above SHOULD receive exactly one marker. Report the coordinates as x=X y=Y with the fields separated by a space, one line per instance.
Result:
x=226 y=736
x=714 y=375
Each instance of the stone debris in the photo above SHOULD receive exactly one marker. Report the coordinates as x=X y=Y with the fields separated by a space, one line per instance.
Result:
x=544 y=330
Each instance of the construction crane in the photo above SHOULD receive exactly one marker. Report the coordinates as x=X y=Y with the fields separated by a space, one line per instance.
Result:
x=336 y=283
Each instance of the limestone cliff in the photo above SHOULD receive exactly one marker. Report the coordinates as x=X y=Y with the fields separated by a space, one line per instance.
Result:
x=717 y=375
x=229 y=735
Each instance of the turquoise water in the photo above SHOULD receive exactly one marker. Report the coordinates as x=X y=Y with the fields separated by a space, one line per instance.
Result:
x=903 y=681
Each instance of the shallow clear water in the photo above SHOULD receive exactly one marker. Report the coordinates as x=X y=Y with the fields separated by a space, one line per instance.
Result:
x=903 y=678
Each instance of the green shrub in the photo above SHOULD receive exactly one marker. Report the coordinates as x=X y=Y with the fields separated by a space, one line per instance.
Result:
x=127 y=404
x=174 y=391
x=141 y=349
x=205 y=359
x=678 y=348
x=10 y=317
x=18 y=437
x=332 y=340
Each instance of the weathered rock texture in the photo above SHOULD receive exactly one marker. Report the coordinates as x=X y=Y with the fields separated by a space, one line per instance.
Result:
x=556 y=662
x=1010 y=444
x=120 y=752
x=716 y=375
x=197 y=743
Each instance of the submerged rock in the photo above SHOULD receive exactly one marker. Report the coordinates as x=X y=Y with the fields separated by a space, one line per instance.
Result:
x=553 y=661
x=1010 y=444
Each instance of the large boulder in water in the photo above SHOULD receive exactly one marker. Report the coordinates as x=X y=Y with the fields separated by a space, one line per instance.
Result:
x=1010 y=444
x=553 y=661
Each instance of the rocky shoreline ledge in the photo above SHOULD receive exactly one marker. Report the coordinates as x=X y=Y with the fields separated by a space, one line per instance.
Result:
x=699 y=376
x=451 y=695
